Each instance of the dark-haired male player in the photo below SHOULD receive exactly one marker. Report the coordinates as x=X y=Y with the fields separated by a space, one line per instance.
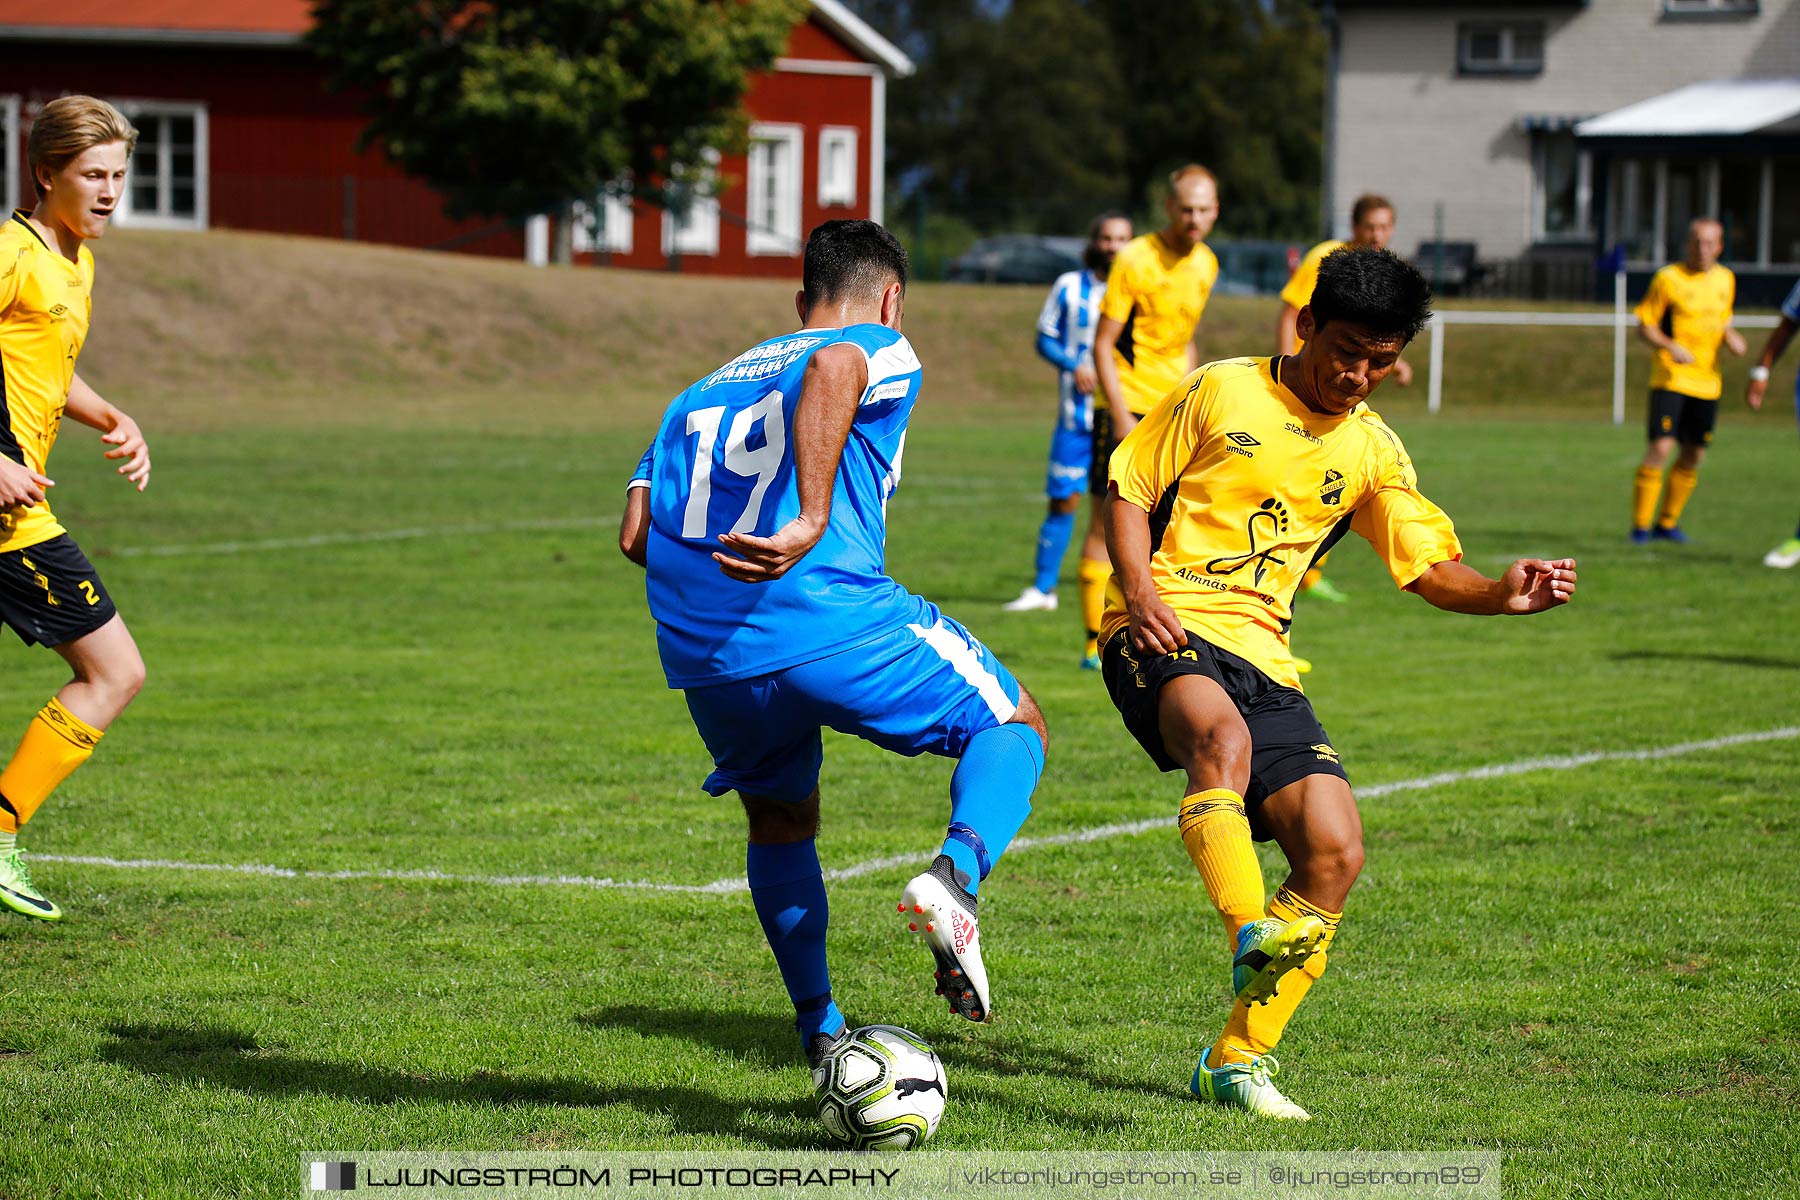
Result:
x=760 y=513
x=1220 y=498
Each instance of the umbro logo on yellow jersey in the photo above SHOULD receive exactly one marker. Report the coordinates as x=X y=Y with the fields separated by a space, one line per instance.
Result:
x=1241 y=443
x=59 y=310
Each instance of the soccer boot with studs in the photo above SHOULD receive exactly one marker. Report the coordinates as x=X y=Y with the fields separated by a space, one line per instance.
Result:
x=938 y=908
x=19 y=894
x=1267 y=950
x=1247 y=1086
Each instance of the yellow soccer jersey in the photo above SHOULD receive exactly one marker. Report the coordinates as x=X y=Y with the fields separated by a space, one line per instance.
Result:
x=1257 y=486
x=1300 y=284
x=1693 y=307
x=45 y=303
x=1158 y=296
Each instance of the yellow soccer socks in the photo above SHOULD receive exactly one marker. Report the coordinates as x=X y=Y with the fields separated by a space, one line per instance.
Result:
x=56 y=742
x=1217 y=836
x=1091 y=580
x=1681 y=486
x=1643 y=496
x=1253 y=1030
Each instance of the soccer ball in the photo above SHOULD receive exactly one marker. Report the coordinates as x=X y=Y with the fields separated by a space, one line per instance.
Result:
x=881 y=1088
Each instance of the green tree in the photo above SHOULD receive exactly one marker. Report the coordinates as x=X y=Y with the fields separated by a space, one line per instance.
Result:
x=1035 y=113
x=517 y=108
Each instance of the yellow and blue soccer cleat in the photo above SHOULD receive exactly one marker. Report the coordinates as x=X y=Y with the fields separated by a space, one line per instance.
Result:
x=1270 y=948
x=1247 y=1086
x=18 y=893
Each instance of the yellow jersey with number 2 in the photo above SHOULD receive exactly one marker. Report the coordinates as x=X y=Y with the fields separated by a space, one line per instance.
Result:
x=1158 y=295
x=1246 y=486
x=45 y=304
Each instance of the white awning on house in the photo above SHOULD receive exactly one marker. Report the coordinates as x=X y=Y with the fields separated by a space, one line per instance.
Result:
x=1716 y=108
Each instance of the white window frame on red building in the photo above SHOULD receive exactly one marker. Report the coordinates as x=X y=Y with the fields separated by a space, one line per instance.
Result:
x=772 y=195
x=141 y=113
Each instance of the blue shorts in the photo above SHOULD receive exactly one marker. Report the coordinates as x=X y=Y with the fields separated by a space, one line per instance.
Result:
x=920 y=689
x=1071 y=457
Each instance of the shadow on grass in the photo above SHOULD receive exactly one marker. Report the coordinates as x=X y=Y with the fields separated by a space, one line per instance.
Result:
x=227 y=1058
x=1723 y=660
x=966 y=1059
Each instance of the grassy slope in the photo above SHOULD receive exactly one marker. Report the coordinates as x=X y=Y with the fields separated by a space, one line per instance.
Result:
x=1588 y=970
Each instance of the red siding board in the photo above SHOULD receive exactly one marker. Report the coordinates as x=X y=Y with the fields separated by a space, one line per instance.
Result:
x=282 y=154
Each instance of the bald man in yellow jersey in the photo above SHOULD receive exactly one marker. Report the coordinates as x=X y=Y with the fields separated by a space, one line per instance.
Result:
x=1143 y=345
x=79 y=149
x=1371 y=225
x=1220 y=498
x=1686 y=315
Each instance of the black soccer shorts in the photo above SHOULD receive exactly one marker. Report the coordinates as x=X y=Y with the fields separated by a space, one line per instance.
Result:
x=1687 y=419
x=1287 y=743
x=50 y=593
x=1104 y=445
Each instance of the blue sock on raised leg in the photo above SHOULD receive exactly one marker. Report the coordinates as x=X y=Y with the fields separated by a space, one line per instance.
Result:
x=1053 y=543
x=788 y=891
x=990 y=797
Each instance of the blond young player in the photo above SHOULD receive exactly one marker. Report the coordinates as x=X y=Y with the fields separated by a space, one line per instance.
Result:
x=1220 y=498
x=1143 y=345
x=1685 y=314
x=1371 y=225
x=50 y=594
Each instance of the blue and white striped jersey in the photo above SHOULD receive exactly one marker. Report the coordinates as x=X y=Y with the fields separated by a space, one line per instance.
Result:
x=1066 y=339
x=723 y=461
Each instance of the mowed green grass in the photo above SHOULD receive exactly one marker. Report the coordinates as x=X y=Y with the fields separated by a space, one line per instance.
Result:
x=1589 y=969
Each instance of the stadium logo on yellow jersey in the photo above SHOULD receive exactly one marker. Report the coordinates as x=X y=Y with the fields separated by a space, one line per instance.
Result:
x=1302 y=431
x=1332 y=490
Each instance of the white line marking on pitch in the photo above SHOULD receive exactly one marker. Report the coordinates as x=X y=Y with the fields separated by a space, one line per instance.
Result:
x=721 y=887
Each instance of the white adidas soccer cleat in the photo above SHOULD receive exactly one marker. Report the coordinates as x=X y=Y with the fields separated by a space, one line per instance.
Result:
x=937 y=908
x=1032 y=600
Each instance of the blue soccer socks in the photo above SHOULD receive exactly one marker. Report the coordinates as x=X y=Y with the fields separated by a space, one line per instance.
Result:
x=788 y=890
x=990 y=797
x=1053 y=544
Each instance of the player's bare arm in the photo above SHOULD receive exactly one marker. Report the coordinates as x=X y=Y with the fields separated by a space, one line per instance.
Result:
x=634 y=525
x=1663 y=341
x=829 y=393
x=1112 y=391
x=1734 y=341
x=1154 y=628
x=117 y=430
x=1779 y=337
x=1530 y=585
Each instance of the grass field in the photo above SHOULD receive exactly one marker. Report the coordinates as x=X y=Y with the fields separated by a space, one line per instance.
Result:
x=388 y=635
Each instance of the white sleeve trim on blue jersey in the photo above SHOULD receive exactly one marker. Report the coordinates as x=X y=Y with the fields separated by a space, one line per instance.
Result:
x=1052 y=319
x=637 y=483
x=1790 y=308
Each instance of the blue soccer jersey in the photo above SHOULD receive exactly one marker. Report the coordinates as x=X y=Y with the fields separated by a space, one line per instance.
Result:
x=723 y=461
x=1066 y=338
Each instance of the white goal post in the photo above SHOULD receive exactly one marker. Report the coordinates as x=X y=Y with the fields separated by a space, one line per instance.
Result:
x=1619 y=320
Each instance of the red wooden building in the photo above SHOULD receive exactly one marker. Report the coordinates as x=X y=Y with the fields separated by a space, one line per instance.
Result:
x=237 y=131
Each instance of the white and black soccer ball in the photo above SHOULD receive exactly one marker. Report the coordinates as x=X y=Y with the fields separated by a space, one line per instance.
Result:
x=880 y=1088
